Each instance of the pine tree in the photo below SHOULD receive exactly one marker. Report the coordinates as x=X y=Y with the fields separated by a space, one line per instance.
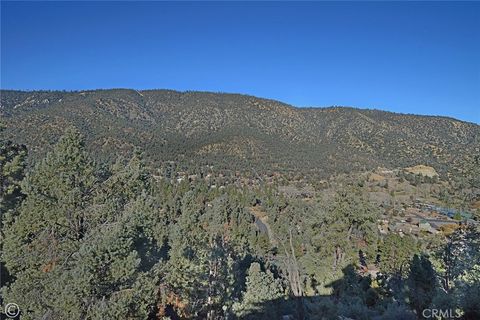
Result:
x=395 y=254
x=118 y=267
x=262 y=297
x=350 y=219
x=105 y=239
x=421 y=283
x=201 y=271
x=12 y=168
x=125 y=183
x=12 y=172
x=460 y=255
x=40 y=240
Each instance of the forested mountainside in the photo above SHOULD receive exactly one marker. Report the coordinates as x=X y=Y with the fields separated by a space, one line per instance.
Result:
x=81 y=239
x=123 y=204
x=237 y=132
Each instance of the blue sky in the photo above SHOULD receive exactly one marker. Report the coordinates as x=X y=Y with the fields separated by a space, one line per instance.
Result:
x=411 y=57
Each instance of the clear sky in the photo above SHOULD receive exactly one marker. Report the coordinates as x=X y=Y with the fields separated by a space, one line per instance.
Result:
x=411 y=57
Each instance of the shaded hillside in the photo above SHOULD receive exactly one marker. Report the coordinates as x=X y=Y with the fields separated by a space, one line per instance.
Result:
x=238 y=131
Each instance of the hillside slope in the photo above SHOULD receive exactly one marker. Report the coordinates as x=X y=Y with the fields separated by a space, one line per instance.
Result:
x=238 y=131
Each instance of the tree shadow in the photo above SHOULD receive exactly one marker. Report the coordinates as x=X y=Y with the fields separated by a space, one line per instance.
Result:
x=297 y=308
x=292 y=308
x=352 y=297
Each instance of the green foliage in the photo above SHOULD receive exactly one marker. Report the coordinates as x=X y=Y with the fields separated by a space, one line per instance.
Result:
x=262 y=297
x=396 y=252
x=348 y=223
x=54 y=216
x=460 y=257
x=203 y=276
x=12 y=170
x=398 y=312
x=83 y=240
x=62 y=235
x=422 y=283
x=355 y=309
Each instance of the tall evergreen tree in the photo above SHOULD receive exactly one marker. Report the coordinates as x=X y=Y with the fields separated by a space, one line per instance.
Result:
x=460 y=256
x=421 y=283
x=395 y=253
x=262 y=297
x=47 y=229
x=12 y=171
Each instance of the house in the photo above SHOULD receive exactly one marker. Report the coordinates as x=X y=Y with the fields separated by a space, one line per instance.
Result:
x=425 y=226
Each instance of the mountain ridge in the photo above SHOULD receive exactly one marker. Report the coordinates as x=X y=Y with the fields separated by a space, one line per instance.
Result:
x=238 y=131
x=312 y=107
